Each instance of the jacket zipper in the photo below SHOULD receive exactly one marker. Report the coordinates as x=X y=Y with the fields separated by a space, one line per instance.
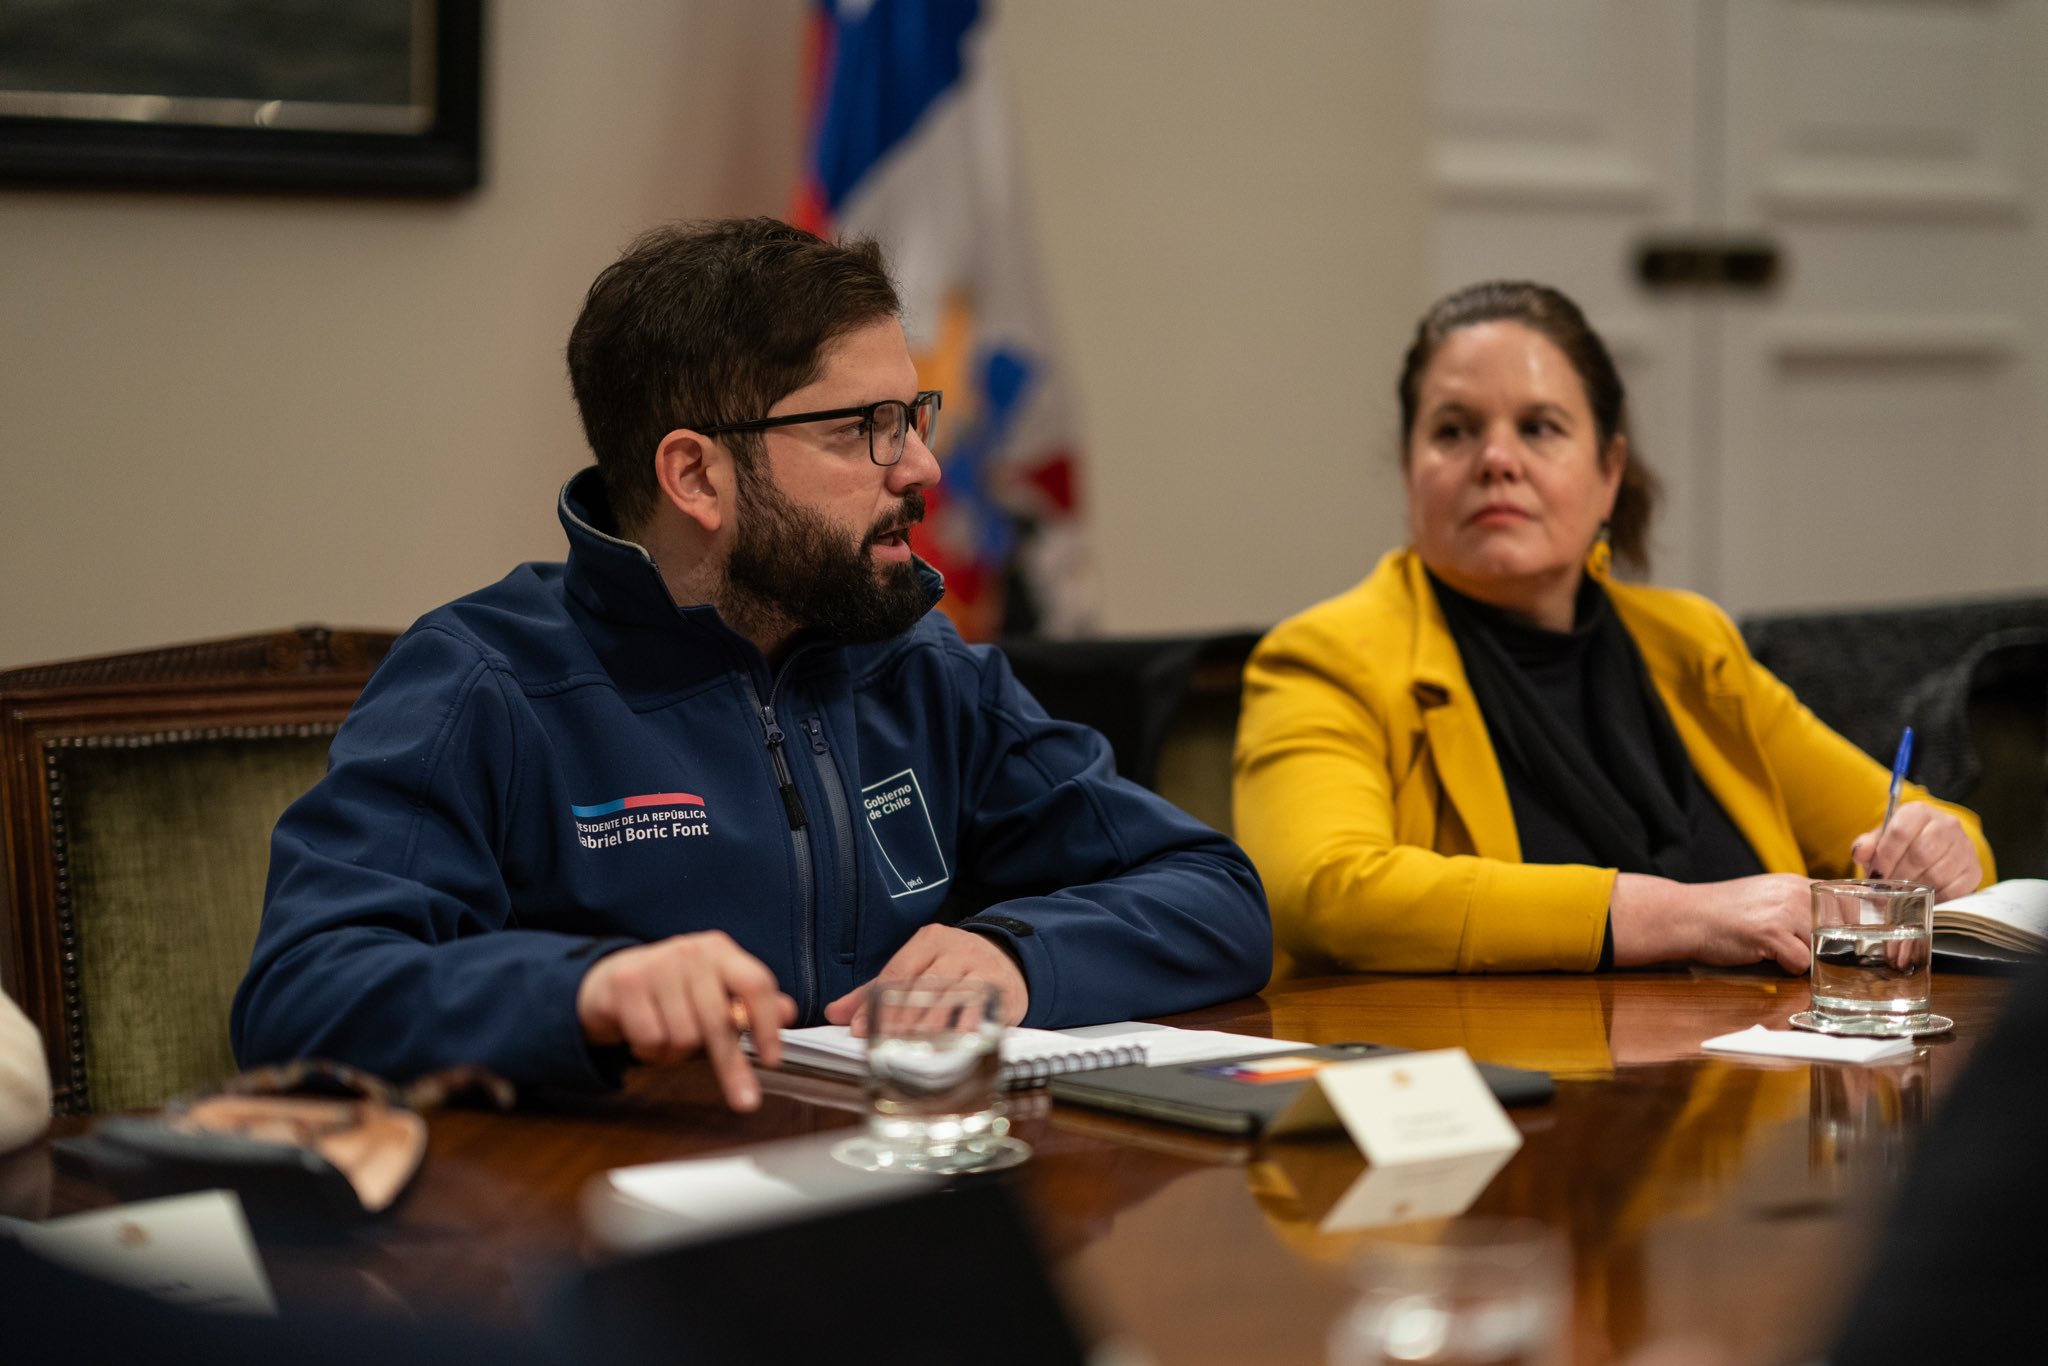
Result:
x=799 y=837
x=842 y=837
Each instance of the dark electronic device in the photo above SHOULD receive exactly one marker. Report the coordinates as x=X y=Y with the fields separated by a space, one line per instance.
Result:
x=1206 y=1095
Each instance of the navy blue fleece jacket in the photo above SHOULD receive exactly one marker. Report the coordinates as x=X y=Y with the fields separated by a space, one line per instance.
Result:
x=567 y=763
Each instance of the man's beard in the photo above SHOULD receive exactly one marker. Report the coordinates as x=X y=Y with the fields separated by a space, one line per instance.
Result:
x=792 y=568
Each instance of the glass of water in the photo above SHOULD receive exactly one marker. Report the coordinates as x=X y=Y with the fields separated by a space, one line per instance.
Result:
x=1873 y=973
x=934 y=1081
x=1467 y=1292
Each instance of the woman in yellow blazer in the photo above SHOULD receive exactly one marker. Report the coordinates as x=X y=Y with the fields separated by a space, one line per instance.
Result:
x=1490 y=756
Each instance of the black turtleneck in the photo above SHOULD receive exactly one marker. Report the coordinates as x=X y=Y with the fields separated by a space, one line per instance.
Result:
x=1594 y=768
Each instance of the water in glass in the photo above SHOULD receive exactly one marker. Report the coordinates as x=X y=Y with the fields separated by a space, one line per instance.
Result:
x=1872 y=970
x=1872 y=957
x=934 y=1082
x=933 y=1093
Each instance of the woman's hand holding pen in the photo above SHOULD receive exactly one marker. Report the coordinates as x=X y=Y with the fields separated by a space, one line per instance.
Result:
x=1922 y=843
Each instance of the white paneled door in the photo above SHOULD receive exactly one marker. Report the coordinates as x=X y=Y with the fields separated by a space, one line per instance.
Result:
x=1872 y=425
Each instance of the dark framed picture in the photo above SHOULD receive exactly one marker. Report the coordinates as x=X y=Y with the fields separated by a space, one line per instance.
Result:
x=370 y=96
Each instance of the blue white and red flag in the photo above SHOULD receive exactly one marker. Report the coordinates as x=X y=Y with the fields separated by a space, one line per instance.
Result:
x=910 y=143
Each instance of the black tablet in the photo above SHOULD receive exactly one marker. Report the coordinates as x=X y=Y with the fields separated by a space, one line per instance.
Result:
x=1242 y=1096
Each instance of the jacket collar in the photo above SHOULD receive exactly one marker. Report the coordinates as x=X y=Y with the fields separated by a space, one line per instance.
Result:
x=1704 y=680
x=1436 y=667
x=1466 y=763
x=618 y=581
x=1675 y=657
x=1679 y=660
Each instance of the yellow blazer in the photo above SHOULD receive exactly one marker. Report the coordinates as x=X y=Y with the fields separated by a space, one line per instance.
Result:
x=1368 y=793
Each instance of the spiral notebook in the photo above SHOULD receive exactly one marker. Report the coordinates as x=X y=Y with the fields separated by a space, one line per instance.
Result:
x=1033 y=1057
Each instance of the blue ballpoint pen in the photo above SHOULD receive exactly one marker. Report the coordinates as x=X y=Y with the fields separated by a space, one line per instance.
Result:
x=1891 y=803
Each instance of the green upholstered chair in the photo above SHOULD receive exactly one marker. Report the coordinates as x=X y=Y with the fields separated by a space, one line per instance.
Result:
x=137 y=795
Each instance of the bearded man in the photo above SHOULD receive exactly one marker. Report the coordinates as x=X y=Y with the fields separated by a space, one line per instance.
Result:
x=725 y=766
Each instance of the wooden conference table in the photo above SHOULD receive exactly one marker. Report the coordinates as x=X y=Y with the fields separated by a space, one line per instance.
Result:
x=1711 y=1198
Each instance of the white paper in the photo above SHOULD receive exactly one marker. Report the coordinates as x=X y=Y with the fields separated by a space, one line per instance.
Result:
x=1806 y=1045
x=2007 y=921
x=1167 y=1045
x=1417 y=1107
x=189 y=1250
x=833 y=1047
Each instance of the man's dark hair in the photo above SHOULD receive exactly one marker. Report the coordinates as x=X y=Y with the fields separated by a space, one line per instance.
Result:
x=704 y=323
x=1548 y=313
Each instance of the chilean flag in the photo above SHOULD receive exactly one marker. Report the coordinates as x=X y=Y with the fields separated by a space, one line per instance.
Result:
x=909 y=143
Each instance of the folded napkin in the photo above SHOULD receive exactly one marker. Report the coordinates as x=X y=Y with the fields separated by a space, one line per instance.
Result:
x=1799 y=1043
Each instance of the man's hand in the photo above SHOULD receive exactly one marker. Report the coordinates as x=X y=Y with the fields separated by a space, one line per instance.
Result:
x=942 y=951
x=667 y=1000
x=1922 y=844
x=1744 y=920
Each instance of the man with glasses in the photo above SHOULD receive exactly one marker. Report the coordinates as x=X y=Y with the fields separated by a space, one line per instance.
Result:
x=725 y=766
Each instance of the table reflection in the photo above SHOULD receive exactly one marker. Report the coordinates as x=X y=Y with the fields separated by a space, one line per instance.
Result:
x=1866 y=1119
x=1704 y=1197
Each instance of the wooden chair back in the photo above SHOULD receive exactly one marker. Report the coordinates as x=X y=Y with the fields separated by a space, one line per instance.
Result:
x=137 y=795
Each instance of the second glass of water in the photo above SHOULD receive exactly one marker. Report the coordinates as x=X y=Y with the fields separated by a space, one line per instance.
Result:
x=1873 y=972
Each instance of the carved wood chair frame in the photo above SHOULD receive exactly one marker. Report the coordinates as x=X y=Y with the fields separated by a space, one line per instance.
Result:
x=300 y=681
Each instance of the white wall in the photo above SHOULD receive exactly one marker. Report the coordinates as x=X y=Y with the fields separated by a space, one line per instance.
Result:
x=225 y=413
x=1232 y=199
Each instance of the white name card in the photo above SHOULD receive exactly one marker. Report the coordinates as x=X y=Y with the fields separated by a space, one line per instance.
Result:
x=1410 y=1107
x=190 y=1250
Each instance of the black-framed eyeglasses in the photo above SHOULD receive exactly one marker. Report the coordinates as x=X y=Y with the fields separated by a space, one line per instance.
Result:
x=887 y=422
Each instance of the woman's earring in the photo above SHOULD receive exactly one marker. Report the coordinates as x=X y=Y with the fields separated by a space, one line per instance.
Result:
x=1600 y=559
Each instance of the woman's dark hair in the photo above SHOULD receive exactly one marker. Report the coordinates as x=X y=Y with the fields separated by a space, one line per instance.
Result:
x=1550 y=314
x=705 y=323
